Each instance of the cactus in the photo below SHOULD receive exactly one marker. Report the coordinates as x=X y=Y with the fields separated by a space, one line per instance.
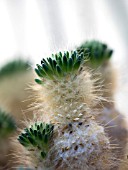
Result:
x=17 y=74
x=98 y=57
x=7 y=129
x=68 y=95
x=14 y=79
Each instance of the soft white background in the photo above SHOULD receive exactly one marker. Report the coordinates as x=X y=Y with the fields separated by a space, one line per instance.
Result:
x=35 y=28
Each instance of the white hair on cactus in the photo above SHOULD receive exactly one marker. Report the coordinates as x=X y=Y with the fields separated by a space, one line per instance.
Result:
x=80 y=146
x=68 y=99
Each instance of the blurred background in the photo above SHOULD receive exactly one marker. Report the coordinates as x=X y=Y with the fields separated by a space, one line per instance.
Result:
x=32 y=29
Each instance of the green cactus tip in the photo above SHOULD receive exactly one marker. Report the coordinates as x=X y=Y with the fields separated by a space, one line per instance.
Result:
x=7 y=124
x=95 y=52
x=13 y=67
x=59 y=65
x=37 y=137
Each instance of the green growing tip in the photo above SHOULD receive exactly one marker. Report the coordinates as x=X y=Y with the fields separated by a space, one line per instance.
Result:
x=95 y=52
x=59 y=65
x=14 y=67
x=37 y=137
x=7 y=124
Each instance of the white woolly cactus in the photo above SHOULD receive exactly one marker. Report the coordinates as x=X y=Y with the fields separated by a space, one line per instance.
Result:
x=67 y=94
x=67 y=97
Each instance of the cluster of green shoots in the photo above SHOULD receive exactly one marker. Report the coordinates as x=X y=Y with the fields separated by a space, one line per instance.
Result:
x=7 y=124
x=59 y=65
x=14 y=67
x=95 y=52
x=37 y=137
